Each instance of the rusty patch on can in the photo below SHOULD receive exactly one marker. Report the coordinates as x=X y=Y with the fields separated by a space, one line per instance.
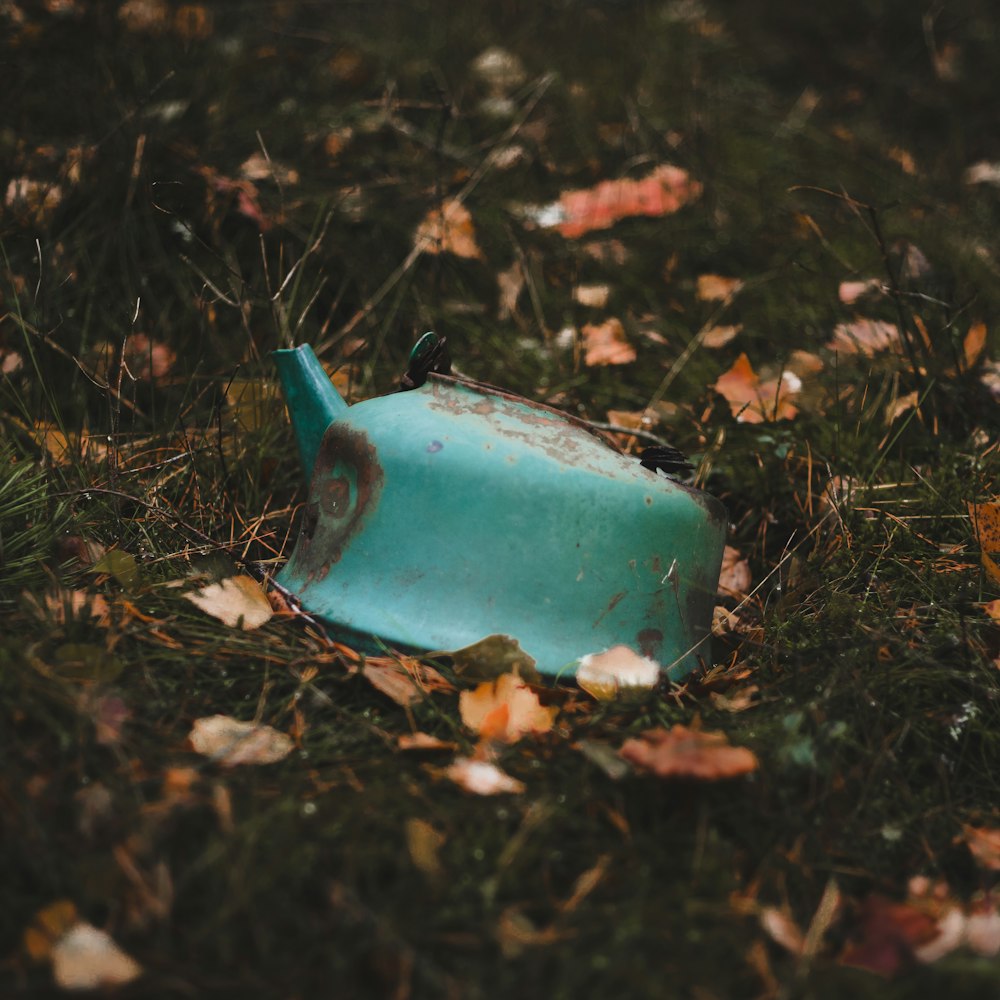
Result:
x=346 y=484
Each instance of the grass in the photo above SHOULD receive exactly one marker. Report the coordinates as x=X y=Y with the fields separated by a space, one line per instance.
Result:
x=828 y=143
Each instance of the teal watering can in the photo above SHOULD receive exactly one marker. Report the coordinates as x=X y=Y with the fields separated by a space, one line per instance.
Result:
x=438 y=516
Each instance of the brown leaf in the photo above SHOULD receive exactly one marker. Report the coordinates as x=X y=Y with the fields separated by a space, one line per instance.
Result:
x=663 y=192
x=865 y=336
x=48 y=925
x=448 y=229
x=505 y=710
x=734 y=578
x=850 y=291
x=973 y=345
x=230 y=742
x=393 y=681
x=424 y=844
x=606 y=344
x=238 y=601
x=681 y=752
x=147 y=360
x=888 y=935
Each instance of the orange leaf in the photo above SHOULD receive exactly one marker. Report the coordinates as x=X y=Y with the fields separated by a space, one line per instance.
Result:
x=752 y=401
x=504 y=710
x=986 y=523
x=688 y=753
x=973 y=345
x=717 y=287
x=606 y=344
x=448 y=229
x=984 y=843
x=663 y=192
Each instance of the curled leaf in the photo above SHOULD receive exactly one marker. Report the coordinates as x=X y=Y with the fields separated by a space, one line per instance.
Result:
x=688 y=753
x=231 y=742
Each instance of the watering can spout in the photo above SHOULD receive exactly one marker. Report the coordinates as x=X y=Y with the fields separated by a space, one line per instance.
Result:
x=313 y=403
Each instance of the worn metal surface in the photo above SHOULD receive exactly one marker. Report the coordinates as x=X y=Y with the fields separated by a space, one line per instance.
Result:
x=441 y=515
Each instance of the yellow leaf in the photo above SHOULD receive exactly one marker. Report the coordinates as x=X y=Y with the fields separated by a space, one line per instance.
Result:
x=986 y=524
x=236 y=601
x=50 y=923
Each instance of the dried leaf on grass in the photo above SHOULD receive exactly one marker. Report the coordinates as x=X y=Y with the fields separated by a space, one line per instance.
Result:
x=238 y=601
x=888 y=935
x=717 y=288
x=718 y=336
x=850 y=291
x=734 y=577
x=82 y=956
x=973 y=345
x=424 y=844
x=662 y=192
x=866 y=336
x=505 y=710
x=231 y=742
x=681 y=752
x=986 y=525
x=617 y=672
x=63 y=605
x=423 y=741
x=448 y=229
x=606 y=344
x=753 y=401
x=404 y=679
x=482 y=778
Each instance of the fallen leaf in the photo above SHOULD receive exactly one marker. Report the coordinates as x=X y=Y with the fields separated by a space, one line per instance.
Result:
x=973 y=345
x=193 y=22
x=734 y=578
x=510 y=284
x=230 y=742
x=258 y=167
x=64 y=605
x=605 y=344
x=752 y=401
x=738 y=701
x=423 y=741
x=888 y=935
x=489 y=658
x=900 y=405
x=86 y=958
x=48 y=925
x=681 y=752
x=663 y=192
x=110 y=713
x=448 y=229
x=424 y=844
x=238 y=601
x=516 y=932
x=617 y=672
x=983 y=172
x=865 y=336
x=147 y=360
x=393 y=681
x=992 y=608
x=121 y=565
x=592 y=296
x=32 y=199
x=850 y=291
x=482 y=778
x=984 y=843
x=68 y=447
x=719 y=336
x=505 y=710
x=982 y=928
x=986 y=525
x=151 y=16
x=782 y=929
x=716 y=288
